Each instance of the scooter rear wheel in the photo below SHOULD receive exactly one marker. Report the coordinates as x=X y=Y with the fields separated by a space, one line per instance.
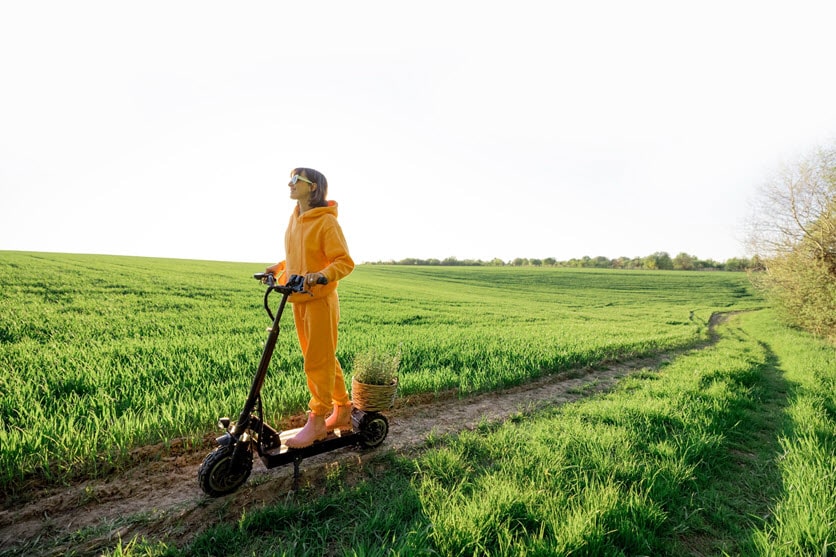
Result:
x=373 y=429
x=216 y=476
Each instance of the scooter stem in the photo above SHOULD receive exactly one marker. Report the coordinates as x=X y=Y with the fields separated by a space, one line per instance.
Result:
x=258 y=381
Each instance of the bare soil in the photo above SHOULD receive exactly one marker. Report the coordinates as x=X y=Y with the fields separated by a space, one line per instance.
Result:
x=159 y=499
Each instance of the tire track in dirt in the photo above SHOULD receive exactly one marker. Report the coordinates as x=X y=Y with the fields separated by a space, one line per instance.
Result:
x=161 y=500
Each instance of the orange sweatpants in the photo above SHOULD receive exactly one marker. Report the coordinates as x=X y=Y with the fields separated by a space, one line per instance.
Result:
x=316 y=325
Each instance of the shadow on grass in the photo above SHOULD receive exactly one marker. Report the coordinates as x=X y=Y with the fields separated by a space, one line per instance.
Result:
x=737 y=491
x=368 y=511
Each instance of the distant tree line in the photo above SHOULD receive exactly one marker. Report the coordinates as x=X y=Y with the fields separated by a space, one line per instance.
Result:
x=657 y=261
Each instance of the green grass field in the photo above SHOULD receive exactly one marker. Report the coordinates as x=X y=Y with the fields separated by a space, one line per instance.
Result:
x=730 y=449
x=727 y=451
x=102 y=354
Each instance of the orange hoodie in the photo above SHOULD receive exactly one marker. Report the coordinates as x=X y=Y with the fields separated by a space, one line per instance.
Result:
x=314 y=243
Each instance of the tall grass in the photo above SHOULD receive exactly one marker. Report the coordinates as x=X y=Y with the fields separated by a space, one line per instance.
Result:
x=804 y=521
x=102 y=354
x=631 y=473
x=718 y=453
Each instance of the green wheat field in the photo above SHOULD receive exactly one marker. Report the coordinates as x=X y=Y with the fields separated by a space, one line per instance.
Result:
x=727 y=450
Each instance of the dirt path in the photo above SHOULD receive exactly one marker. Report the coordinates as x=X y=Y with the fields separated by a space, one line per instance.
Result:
x=161 y=500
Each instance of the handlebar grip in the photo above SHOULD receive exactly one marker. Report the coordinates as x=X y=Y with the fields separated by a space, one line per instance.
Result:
x=296 y=283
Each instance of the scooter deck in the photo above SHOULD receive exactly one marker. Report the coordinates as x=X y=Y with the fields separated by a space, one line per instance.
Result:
x=282 y=455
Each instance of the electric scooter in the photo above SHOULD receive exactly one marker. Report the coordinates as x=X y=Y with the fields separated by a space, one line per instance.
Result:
x=227 y=467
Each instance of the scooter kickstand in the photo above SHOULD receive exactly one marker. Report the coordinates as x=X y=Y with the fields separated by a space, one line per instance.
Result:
x=296 y=462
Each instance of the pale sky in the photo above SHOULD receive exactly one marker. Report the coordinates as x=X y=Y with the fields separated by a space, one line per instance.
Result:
x=465 y=129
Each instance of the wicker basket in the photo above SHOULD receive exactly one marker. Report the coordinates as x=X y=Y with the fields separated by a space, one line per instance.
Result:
x=373 y=398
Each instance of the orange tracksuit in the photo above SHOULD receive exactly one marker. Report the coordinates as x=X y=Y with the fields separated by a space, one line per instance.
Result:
x=314 y=243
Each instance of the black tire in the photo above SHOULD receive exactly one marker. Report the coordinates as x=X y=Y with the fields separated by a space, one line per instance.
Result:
x=373 y=430
x=215 y=476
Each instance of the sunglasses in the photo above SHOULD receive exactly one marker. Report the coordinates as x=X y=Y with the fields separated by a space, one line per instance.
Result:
x=296 y=178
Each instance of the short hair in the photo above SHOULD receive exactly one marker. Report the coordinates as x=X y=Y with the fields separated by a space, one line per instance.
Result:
x=321 y=192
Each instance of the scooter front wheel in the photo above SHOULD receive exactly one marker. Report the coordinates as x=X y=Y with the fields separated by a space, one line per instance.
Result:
x=216 y=476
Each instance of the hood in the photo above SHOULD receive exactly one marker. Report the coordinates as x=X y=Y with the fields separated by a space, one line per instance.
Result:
x=317 y=212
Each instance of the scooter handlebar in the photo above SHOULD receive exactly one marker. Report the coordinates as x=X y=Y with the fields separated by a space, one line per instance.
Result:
x=295 y=283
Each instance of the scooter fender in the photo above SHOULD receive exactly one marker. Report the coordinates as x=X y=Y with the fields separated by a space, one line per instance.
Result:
x=229 y=438
x=240 y=446
x=225 y=440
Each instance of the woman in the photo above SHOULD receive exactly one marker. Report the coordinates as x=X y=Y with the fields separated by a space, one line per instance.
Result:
x=316 y=249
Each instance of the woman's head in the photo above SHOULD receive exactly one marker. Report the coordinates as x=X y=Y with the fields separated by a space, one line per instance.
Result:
x=319 y=188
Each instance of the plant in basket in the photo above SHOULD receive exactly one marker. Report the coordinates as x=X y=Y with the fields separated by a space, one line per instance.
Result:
x=375 y=380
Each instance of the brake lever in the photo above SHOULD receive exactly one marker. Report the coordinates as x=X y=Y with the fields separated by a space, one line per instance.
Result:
x=266 y=278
